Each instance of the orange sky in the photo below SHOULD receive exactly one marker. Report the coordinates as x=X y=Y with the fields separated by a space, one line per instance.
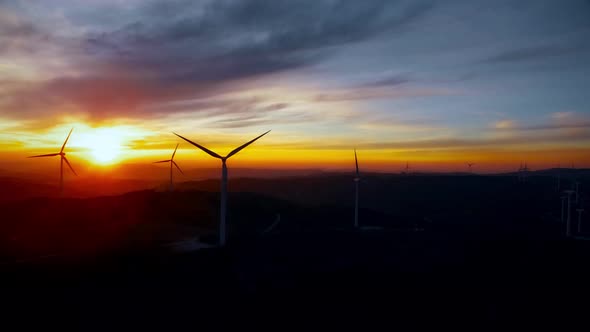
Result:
x=107 y=149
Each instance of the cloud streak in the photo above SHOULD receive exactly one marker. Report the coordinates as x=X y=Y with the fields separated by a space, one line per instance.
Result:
x=201 y=50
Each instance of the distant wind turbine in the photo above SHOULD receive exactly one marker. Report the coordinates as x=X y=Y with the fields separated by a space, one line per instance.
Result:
x=407 y=169
x=470 y=165
x=558 y=177
x=357 y=179
x=172 y=163
x=223 y=209
x=63 y=158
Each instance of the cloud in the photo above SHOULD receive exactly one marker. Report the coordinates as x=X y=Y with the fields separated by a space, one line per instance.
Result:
x=536 y=52
x=399 y=124
x=389 y=81
x=504 y=124
x=228 y=40
x=381 y=92
x=556 y=121
x=453 y=143
x=141 y=61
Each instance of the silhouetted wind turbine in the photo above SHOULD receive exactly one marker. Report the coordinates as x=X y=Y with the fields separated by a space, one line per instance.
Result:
x=470 y=165
x=558 y=177
x=172 y=163
x=357 y=179
x=223 y=209
x=63 y=158
x=407 y=169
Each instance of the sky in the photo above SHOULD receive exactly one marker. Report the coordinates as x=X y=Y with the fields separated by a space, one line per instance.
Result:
x=436 y=84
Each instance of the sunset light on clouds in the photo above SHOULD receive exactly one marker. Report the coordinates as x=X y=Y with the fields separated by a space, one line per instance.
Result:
x=433 y=83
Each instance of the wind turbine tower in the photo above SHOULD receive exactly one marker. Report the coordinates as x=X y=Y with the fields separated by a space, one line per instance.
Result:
x=172 y=163
x=470 y=165
x=357 y=179
x=223 y=205
x=558 y=178
x=63 y=158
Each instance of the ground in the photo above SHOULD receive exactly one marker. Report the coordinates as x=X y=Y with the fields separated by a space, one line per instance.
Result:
x=481 y=260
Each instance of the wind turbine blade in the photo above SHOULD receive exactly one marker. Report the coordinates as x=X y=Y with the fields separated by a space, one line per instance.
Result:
x=238 y=149
x=357 y=164
x=174 y=153
x=66 y=141
x=177 y=167
x=45 y=155
x=209 y=152
x=162 y=161
x=67 y=162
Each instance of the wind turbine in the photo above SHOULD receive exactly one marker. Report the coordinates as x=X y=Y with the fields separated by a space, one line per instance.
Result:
x=470 y=165
x=407 y=169
x=357 y=179
x=223 y=208
x=63 y=158
x=172 y=163
x=558 y=177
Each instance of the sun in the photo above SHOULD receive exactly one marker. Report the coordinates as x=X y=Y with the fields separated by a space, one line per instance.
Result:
x=104 y=144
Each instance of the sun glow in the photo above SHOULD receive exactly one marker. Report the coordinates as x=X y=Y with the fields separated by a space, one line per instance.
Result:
x=104 y=144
